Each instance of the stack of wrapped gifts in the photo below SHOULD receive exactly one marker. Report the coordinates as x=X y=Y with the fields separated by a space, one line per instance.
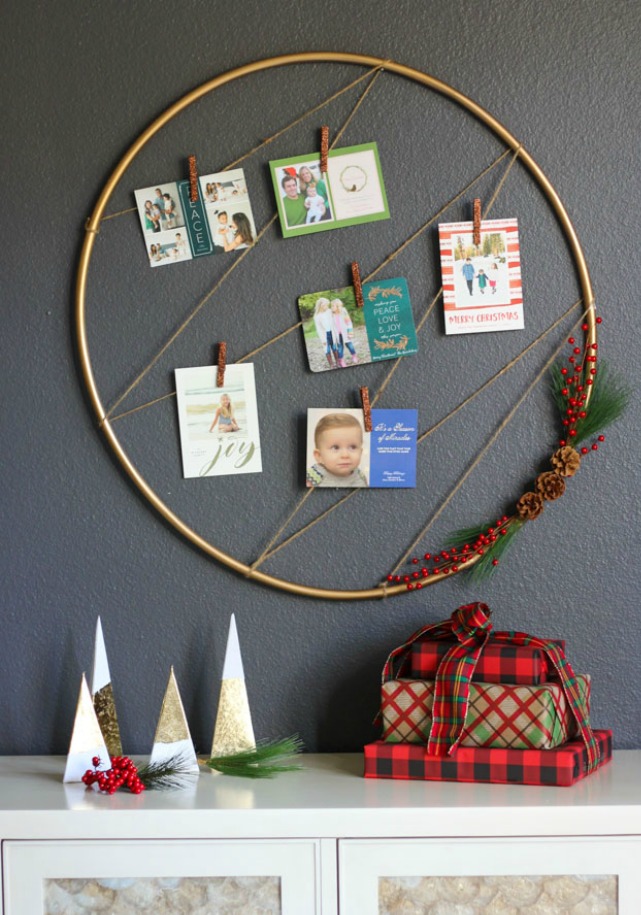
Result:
x=463 y=703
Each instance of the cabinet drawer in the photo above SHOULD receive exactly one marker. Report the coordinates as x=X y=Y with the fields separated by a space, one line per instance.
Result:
x=378 y=876
x=280 y=877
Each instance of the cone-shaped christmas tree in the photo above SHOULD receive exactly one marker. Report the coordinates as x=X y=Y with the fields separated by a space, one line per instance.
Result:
x=173 y=741
x=233 y=731
x=86 y=739
x=103 y=696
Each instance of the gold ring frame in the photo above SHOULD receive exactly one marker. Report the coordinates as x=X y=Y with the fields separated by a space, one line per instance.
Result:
x=93 y=226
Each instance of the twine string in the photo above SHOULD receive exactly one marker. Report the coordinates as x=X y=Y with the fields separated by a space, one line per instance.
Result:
x=163 y=349
x=479 y=457
x=416 y=234
x=425 y=435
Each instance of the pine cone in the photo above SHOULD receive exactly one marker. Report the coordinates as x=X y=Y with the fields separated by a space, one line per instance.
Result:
x=566 y=461
x=529 y=506
x=550 y=485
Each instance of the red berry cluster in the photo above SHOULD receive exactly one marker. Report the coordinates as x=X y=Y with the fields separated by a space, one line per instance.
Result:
x=578 y=377
x=450 y=561
x=122 y=772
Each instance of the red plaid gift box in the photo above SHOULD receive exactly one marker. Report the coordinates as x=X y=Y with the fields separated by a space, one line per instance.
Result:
x=470 y=625
x=498 y=715
x=562 y=766
x=499 y=662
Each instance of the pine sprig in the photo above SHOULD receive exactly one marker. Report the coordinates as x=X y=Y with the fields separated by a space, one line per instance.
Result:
x=608 y=401
x=492 y=550
x=267 y=759
x=174 y=773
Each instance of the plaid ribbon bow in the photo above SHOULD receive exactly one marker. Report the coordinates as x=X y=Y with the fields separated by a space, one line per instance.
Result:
x=471 y=626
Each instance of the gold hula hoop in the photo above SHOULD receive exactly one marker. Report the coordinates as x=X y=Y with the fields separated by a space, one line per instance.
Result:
x=93 y=225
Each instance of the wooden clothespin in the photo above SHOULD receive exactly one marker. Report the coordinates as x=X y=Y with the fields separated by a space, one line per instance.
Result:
x=356 y=282
x=221 y=363
x=367 y=409
x=193 y=179
x=324 y=149
x=476 y=222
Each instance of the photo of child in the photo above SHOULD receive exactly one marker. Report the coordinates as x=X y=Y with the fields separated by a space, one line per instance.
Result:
x=224 y=416
x=219 y=432
x=336 y=449
x=334 y=329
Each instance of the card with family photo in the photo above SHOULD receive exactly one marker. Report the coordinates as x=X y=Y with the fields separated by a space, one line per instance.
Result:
x=341 y=454
x=351 y=192
x=482 y=288
x=339 y=334
x=218 y=425
x=175 y=228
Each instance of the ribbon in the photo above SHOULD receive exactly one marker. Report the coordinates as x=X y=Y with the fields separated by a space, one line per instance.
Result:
x=471 y=626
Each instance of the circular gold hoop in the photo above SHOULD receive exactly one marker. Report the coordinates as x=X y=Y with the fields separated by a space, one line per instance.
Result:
x=92 y=227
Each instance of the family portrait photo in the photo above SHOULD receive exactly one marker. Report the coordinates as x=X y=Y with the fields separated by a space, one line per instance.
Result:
x=351 y=192
x=482 y=279
x=163 y=224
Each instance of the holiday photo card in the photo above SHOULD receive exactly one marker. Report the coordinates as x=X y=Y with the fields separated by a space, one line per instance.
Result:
x=177 y=229
x=481 y=283
x=218 y=425
x=339 y=334
x=341 y=454
x=351 y=192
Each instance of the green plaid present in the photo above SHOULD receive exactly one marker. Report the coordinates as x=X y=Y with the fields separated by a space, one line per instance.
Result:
x=498 y=715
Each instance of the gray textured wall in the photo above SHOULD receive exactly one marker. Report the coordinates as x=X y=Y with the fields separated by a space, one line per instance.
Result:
x=80 y=81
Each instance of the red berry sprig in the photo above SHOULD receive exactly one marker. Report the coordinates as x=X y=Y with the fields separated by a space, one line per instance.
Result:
x=450 y=561
x=577 y=379
x=123 y=772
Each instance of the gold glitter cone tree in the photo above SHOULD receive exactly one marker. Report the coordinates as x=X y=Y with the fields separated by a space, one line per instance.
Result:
x=103 y=695
x=173 y=740
x=234 y=731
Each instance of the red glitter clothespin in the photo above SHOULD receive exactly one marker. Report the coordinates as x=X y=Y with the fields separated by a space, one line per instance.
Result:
x=367 y=409
x=356 y=282
x=476 y=229
x=193 y=179
x=324 y=149
x=221 y=363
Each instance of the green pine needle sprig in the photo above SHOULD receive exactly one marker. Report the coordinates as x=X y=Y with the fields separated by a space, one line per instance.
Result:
x=267 y=759
x=608 y=401
x=485 y=566
x=176 y=772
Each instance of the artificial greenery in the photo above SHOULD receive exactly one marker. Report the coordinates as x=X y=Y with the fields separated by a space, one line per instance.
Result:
x=268 y=758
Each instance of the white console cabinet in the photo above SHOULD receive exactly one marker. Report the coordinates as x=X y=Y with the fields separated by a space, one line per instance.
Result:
x=323 y=840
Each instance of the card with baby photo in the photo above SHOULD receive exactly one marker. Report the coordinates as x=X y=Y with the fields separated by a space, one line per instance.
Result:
x=482 y=288
x=351 y=192
x=340 y=454
x=218 y=425
x=177 y=229
x=339 y=334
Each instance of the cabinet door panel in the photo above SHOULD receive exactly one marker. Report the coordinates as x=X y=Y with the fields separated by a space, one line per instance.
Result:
x=378 y=876
x=279 y=877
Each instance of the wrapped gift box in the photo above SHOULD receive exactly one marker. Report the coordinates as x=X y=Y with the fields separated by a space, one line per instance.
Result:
x=499 y=715
x=499 y=662
x=561 y=766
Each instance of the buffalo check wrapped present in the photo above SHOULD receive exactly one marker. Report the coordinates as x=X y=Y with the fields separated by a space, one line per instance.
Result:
x=499 y=662
x=470 y=626
x=563 y=766
x=498 y=715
